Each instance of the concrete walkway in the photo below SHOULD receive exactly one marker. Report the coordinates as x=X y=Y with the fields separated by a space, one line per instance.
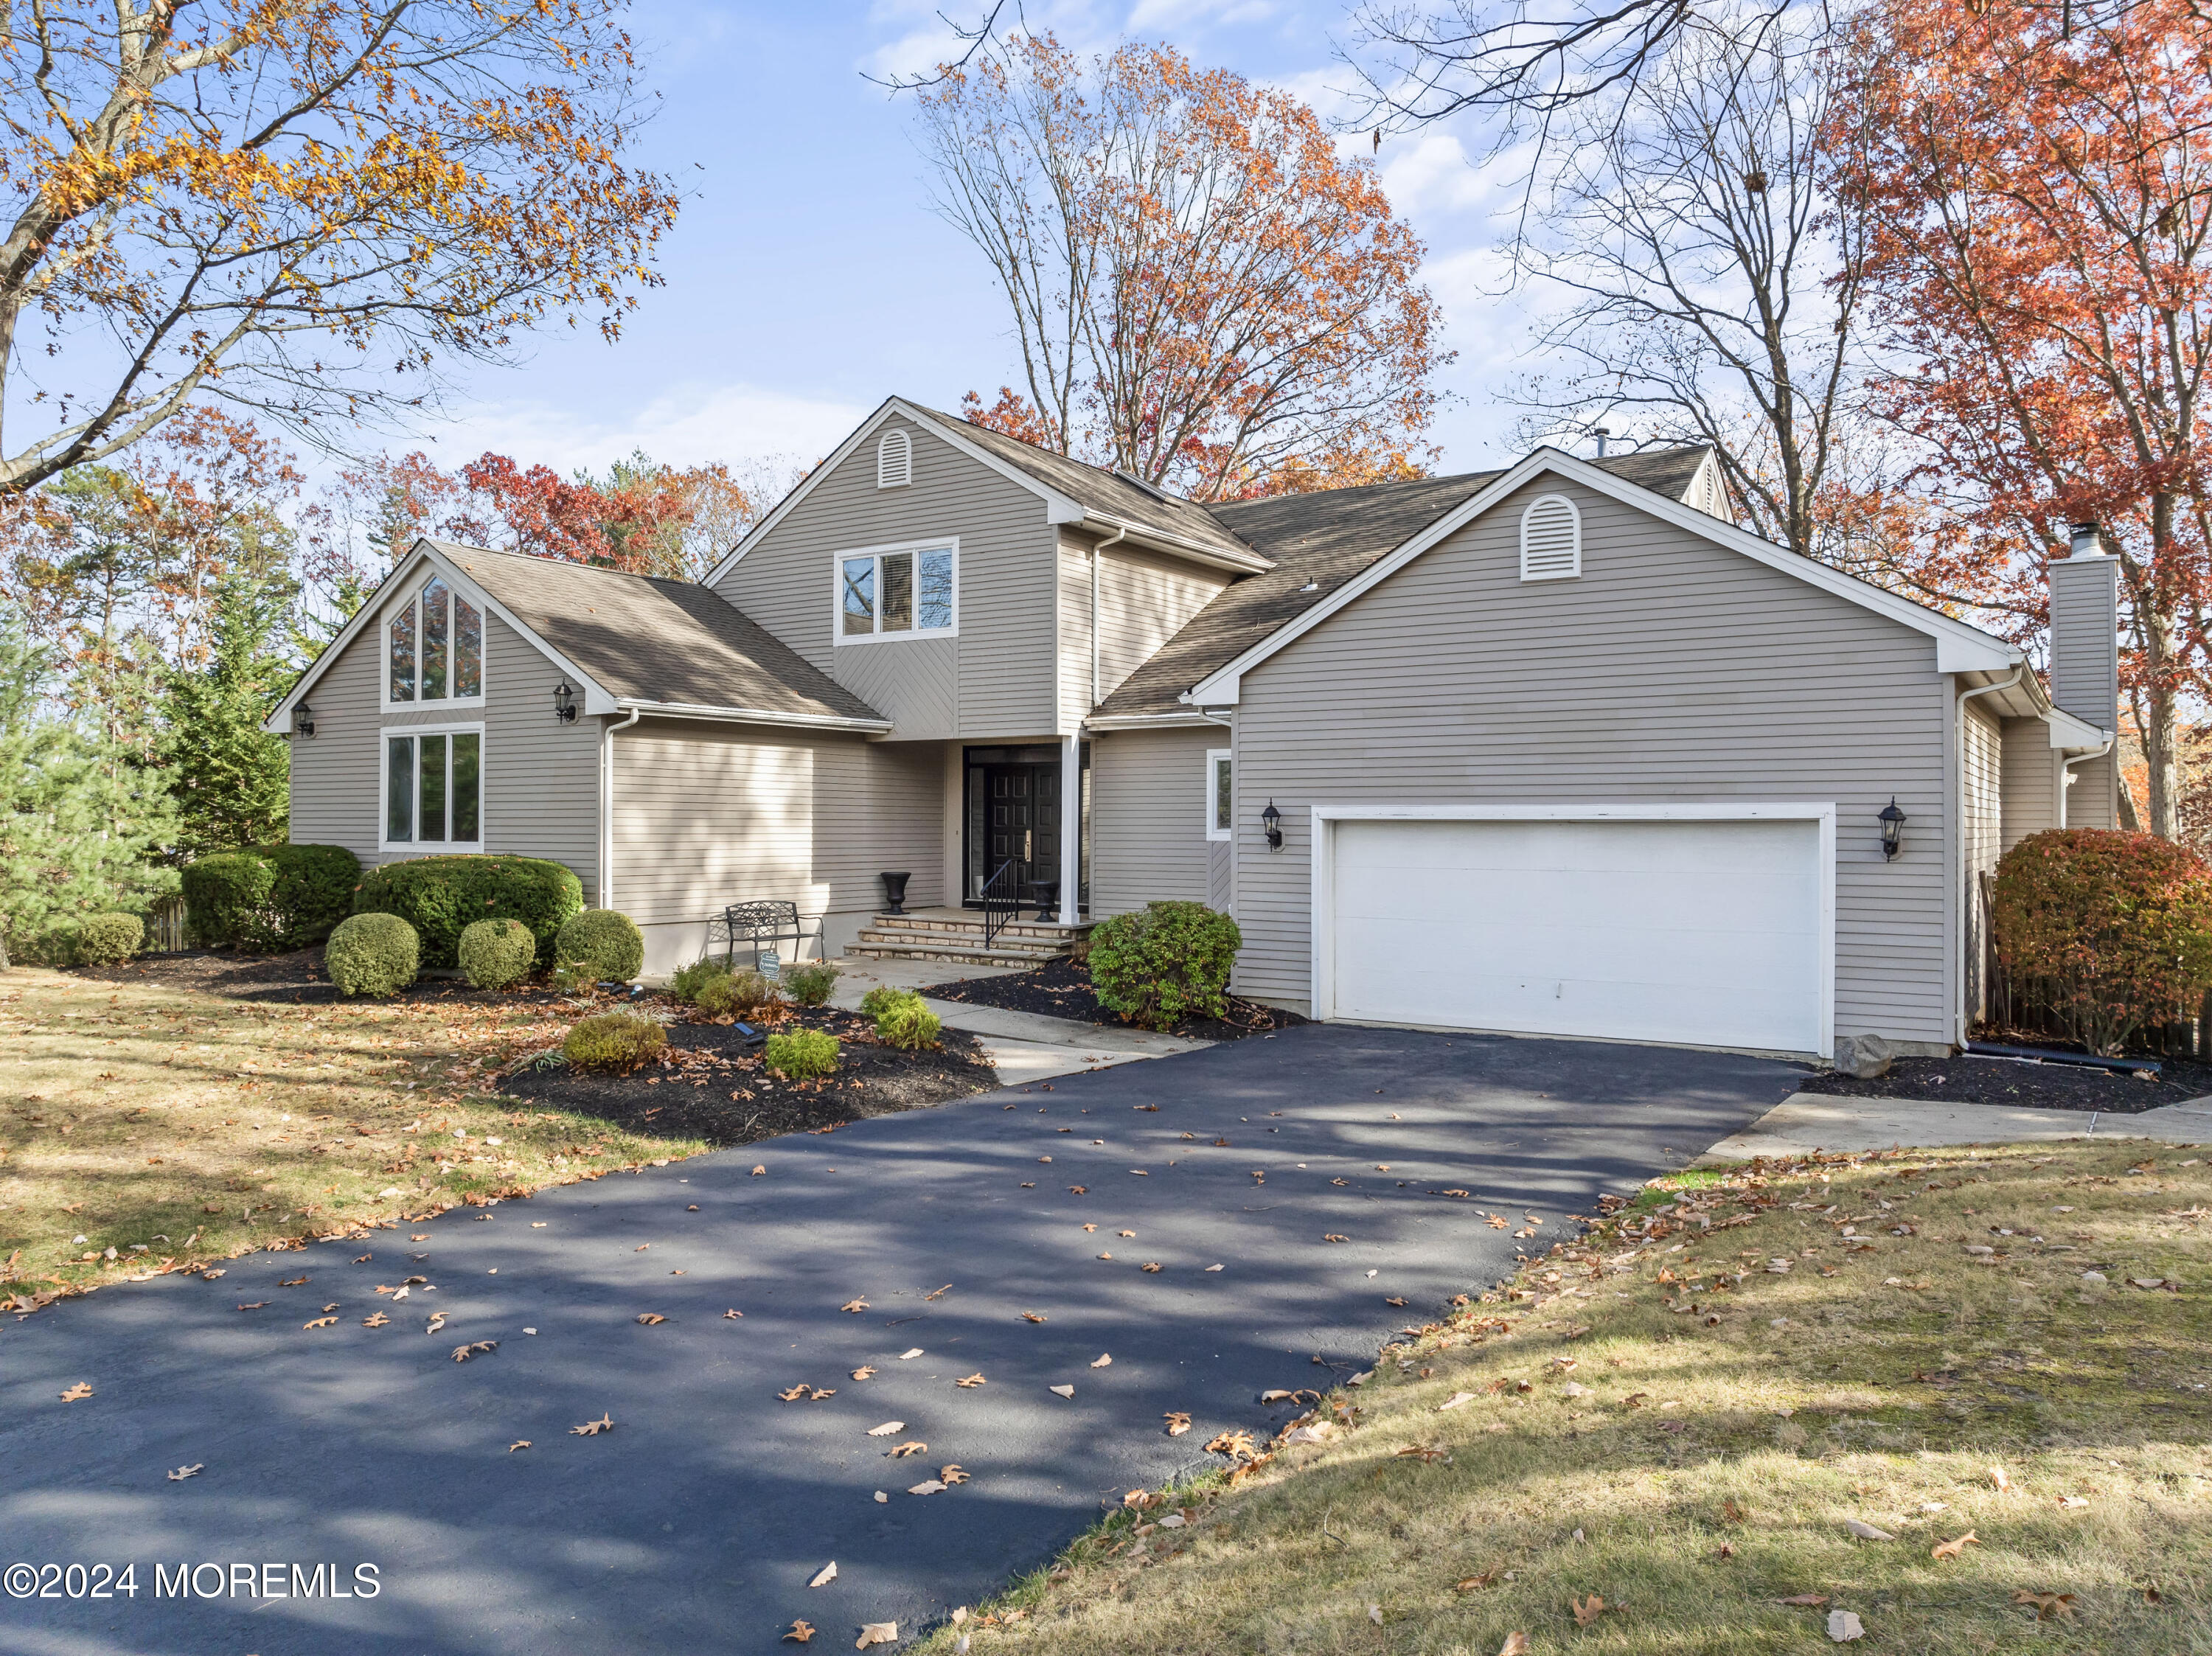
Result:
x=1810 y=1121
x=1026 y=1046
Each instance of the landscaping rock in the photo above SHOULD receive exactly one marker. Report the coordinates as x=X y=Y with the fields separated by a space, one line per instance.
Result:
x=1864 y=1057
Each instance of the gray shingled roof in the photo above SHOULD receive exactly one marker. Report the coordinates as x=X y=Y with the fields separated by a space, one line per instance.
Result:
x=1096 y=489
x=647 y=640
x=1325 y=540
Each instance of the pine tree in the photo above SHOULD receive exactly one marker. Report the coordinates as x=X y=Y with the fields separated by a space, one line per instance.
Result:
x=229 y=777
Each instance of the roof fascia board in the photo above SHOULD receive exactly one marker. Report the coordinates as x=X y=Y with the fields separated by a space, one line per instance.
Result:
x=1190 y=720
x=1058 y=509
x=1160 y=540
x=754 y=716
x=1959 y=648
x=2070 y=734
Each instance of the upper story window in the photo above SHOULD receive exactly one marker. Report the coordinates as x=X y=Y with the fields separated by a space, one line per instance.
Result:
x=898 y=591
x=894 y=460
x=435 y=644
x=1551 y=539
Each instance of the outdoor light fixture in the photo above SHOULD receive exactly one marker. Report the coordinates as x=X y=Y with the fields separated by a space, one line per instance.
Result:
x=1892 y=830
x=1272 y=821
x=564 y=702
x=303 y=719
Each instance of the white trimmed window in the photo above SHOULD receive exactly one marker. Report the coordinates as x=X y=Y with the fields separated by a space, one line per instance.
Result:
x=1220 y=795
x=1551 y=539
x=433 y=648
x=898 y=591
x=433 y=788
x=894 y=460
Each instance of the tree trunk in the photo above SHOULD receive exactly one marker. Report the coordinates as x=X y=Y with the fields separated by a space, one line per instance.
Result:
x=2161 y=733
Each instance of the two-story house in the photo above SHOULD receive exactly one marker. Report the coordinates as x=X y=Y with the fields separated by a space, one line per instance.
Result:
x=1552 y=750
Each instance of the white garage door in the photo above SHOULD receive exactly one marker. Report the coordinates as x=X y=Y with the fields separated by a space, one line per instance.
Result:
x=1696 y=932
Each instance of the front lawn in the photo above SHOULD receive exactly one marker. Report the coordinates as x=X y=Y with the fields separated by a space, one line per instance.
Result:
x=168 y=1126
x=1658 y=1441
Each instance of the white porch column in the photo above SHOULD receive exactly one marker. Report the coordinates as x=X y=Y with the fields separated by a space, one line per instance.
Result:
x=1071 y=825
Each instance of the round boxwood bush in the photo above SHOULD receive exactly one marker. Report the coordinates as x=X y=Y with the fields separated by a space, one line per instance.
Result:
x=2109 y=929
x=612 y=1040
x=441 y=896
x=802 y=1054
x=1168 y=961
x=372 y=955
x=606 y=944
x=106 y=939
x=496 y=953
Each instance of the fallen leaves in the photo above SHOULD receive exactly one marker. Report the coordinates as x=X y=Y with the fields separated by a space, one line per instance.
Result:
x=1498 y=1223
x=320 y=1322
x=969 y=1382
x=649 y=1317
x=474 y=1349
x=1394 y=1301
x=1033 y=1316
x=519 y=1443
x=1152 y=1267
x=256 y=1305
x=805 y=1393
x=2049 y=1606
x=855 y=1307
x=732 y=1314
x=1061 y=1391
x=1586 y=1609
x=801 y=1631
x=375 y=1319
x=757 y=1172
x=927 y=1486
x=1456 y=1401
x=1331 y=1236
x=1423 y=1453
x=905 y=1451
x=887 y=1429
x=876 y=1633
x=1517 y=1644
x=78 y=1392
x=1475 y=1583
x=1867 y=1531
x=593 y=1428
x=1953 y=1549
x=864 y=1372
x=1236 y=1445
x=952 y=1474
x=1104 y=1359
x=825 y=1575
x=1178 y=1423
x=1843 y=1626
x=184 y=1472
x=1807 y=1600
x=295 y=1281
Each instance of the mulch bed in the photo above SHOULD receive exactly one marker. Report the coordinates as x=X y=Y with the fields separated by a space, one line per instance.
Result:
x=294 y=978
x=711 y=1085
x=2025 y=1086
x=1062 y=990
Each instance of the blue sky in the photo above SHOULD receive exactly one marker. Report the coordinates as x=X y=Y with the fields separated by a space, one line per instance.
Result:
x=807 y=277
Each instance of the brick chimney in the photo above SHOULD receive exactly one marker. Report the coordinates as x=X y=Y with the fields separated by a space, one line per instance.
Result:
x=2084 y=667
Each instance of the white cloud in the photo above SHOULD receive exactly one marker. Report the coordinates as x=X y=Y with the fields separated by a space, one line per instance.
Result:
x=687 y=425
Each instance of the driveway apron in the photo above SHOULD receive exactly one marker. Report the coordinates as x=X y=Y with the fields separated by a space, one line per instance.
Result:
x=1319 y=1169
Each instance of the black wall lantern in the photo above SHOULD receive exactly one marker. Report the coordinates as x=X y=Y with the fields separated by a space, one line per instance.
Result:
x=1892 y=830
x=303 y=719
x=1271 y=819
x=564 y=702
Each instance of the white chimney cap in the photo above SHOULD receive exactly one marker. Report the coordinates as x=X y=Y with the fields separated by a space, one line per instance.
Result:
x=2088 y=542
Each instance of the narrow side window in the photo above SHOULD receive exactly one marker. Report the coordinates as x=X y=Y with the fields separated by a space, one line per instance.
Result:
x=403 y=654
x=468 y=649
x=399 y=790
x=859 y=595
x=437 y=638
x=1220 y=795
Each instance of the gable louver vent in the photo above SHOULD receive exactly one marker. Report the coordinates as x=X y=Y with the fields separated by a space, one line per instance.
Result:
x=894 y=460
x=1551 y=540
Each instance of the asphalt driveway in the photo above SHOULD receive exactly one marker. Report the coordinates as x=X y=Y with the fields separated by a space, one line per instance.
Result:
x=695 y=1521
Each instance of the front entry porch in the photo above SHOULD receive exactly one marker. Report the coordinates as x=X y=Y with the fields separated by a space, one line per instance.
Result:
x=1025 y=820
x=957 y=935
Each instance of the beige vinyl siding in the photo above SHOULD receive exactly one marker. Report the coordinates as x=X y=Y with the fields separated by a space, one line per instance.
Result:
x=1982 y=823
x=540 y=777
x=1148 y=817
x=710 y=814
x=1145 y=598
x=1671 y=671
x=2031 y=781
x=2085 y=679
x=997 y=679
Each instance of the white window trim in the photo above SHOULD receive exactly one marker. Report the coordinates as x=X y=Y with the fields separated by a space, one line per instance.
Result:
x=1322 y=867
x=429 y=848
x=837 y=634
x=1214 y=757
x=905 y=440
x=1574 y=516
x=458 y=703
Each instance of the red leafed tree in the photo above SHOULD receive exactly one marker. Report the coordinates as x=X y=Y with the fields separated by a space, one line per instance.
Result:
x=2040 y=189
x=1207 y=294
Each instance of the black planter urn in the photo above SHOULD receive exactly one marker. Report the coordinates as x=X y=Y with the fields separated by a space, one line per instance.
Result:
x=895 y=892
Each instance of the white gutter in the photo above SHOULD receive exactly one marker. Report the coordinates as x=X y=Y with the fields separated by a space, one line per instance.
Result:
x=757 y=716
x=1147 y=721
x=607 y=804
x=1097 y=547
x=1991 y=690
x=1250 y=563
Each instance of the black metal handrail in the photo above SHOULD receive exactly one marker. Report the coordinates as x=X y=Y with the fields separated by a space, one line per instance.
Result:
x=1001 y=900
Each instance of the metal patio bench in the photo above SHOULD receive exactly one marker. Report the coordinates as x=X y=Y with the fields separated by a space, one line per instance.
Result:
x=756 y=924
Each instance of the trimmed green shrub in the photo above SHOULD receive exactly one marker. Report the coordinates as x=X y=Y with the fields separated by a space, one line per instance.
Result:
x=803 y=1054
x=906 y=1023
x=372 y=955
x=105 y=939
x=809 y=985
x=2110 y=931
x=613 y=1040
x=439 y=896
x=1170 y=962
x=880 y=998
x=496 y=953
x=689 y=981
x=736 y=994
x=269 y=898
x=605 y=942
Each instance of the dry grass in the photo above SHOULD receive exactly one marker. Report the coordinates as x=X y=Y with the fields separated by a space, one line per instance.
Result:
x=1706 y=1471
x=177 y=1128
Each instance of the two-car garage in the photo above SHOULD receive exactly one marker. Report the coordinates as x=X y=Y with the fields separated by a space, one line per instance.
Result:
x=1693 y=924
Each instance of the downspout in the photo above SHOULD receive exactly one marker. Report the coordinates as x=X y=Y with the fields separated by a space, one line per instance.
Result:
x=2066 y=773
x=1959 y=1030
x=607 y=804
x=1098 y=547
